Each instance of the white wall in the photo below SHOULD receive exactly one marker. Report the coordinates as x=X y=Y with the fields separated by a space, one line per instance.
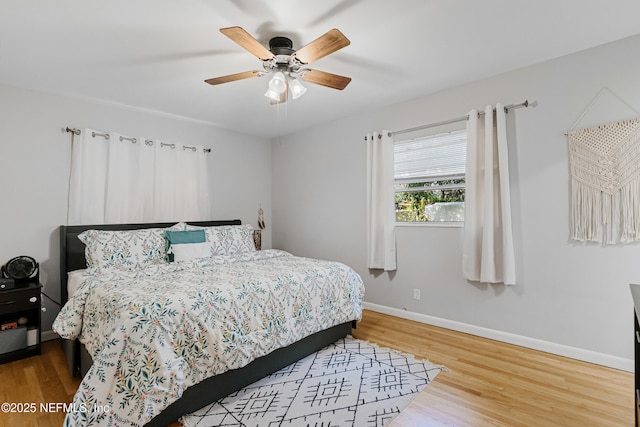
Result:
x=568 y=294
x=34 y=166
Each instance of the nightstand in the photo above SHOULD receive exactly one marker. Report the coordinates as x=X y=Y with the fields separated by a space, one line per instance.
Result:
x=20 y=317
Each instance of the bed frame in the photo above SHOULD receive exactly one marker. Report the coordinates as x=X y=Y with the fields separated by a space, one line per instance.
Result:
x=212 y=389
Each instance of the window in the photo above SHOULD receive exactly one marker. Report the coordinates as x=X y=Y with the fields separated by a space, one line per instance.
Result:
x=429 y=175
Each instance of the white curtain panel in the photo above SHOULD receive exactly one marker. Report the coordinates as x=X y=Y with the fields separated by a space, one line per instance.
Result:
x=86 y=205
x=165 y=185
x=121 y=201
x=488 y=252
x=192 y=189
x=147 y=180
x=381 y=239
x=116 y=180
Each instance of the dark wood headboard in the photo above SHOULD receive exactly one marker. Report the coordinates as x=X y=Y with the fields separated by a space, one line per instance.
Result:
x=72 y=249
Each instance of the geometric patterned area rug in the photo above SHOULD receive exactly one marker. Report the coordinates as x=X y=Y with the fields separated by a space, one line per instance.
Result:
x=348 y=383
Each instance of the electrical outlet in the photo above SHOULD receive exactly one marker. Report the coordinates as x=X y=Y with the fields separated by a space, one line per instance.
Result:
x=416 y=294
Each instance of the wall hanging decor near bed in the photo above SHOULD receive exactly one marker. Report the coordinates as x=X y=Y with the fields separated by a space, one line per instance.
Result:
x=605 y=182
x=257 y=234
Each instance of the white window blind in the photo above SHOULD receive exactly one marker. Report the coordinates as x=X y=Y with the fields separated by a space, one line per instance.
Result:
x=433 y=158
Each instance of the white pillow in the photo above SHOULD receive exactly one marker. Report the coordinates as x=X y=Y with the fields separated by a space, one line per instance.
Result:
x=189 y=251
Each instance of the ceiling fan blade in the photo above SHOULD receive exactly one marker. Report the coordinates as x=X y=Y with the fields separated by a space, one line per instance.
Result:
x=324 y=45
x=326 y=79
x=247 y=41
x=232 y=77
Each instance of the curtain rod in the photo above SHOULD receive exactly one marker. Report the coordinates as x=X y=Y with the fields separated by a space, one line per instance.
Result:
x=524 y=104
x=149 y=142
x=74 y=131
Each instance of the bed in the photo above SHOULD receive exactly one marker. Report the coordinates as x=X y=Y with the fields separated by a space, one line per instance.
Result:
x=141 y=369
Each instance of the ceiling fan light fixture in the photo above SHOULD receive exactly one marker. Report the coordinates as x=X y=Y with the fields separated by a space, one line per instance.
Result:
x=297 y=88
x=272 y=94
x=278 y=82
x=286 y=63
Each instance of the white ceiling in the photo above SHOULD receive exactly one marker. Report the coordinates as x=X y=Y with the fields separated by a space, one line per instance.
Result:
x=155 y=54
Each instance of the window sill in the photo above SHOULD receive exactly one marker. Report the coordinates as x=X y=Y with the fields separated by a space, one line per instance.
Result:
x=436 y=224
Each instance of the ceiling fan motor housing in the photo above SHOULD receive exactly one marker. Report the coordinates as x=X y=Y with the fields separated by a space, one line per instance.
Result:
x=281 y=46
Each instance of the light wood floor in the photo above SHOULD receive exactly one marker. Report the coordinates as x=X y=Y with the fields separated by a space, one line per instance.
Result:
x=495 y=384
x=488 y=383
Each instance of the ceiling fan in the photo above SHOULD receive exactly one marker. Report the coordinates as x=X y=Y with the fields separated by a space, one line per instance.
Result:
x=287 y=64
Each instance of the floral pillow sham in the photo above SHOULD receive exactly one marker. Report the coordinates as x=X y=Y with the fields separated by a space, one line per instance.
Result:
x=125 y=250
x=128 y=250
x=228 y=239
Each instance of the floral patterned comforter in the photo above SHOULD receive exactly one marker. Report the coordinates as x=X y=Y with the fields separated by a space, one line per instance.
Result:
x=154 y=332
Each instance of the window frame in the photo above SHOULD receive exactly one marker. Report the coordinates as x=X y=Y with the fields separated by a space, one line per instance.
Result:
x=433 y=178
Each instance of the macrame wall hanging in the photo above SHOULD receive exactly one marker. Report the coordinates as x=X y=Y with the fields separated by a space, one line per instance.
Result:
x=605 y=182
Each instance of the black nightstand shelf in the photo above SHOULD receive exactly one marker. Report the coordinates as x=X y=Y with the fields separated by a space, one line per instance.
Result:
x=20 y=307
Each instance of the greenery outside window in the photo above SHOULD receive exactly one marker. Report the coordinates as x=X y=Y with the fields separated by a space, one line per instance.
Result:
x=429 y=176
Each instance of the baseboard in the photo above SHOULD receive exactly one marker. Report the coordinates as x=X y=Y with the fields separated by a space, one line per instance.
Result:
x=49 y=336
x=522 y=341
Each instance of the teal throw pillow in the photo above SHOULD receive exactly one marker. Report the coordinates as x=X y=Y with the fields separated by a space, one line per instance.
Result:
x=182 y=237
